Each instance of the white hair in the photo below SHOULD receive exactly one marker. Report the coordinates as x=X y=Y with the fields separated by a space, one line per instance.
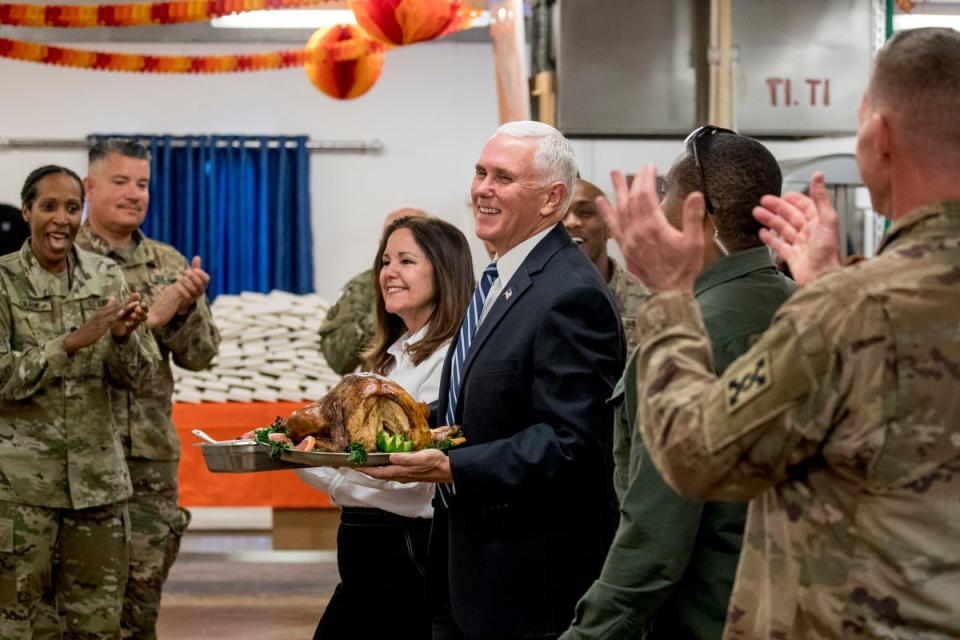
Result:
x=554 y=159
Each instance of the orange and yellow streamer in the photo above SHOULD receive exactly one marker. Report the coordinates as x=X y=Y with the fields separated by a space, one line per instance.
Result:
x=135 y=14
x=341 y=61
x=140 y=63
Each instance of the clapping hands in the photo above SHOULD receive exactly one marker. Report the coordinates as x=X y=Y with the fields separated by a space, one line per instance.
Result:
x=179 y=297
x=802 y=229
x=121 y=319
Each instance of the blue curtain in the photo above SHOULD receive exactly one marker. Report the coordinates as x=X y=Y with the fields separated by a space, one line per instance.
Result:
x=243 y=208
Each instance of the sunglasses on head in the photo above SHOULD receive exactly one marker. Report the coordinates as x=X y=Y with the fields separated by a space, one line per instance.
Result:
x=692 y=144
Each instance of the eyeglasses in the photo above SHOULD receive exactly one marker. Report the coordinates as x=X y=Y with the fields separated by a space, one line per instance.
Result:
x=691 y=142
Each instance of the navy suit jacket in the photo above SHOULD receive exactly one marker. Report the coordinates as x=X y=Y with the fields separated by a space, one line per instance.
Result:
x=534 y=510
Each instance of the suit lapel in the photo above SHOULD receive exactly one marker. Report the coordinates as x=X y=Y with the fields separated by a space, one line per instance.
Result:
x=515 y=288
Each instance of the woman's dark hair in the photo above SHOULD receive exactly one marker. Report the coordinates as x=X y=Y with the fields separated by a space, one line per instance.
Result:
x=29 y=191
x=447 y=249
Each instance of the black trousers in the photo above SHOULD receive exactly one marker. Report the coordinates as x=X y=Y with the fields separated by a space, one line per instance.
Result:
x=382 y=560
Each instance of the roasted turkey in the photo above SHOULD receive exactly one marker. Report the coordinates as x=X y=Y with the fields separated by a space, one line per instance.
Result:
x=356 y=410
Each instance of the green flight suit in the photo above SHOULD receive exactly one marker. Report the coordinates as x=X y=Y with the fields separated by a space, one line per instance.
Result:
x=670 y=569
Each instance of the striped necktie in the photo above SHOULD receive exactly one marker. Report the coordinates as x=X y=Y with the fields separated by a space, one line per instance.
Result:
x=467 y=331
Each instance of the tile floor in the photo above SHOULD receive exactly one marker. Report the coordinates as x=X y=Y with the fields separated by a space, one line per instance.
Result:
x=233 y=586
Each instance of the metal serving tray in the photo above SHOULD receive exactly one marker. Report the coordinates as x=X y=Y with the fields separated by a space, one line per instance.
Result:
x=244 y=456
x=294 y=458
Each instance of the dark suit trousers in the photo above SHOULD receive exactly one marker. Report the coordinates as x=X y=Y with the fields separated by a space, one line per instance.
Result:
x=382 y=592
x=444 y=626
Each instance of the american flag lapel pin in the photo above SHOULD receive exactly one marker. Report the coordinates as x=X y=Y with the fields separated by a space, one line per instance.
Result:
x=507 y=294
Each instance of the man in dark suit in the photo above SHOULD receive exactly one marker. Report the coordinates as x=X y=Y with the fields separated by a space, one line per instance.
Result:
x=526 y=509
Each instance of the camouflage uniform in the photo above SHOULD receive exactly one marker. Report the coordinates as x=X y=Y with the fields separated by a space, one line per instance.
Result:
x=629 y=292
x=147 y=431
x=63 y=480
x=841 y=424
x=350 y=324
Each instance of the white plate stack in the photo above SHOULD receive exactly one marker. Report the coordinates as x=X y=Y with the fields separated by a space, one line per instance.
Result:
x=269 y=352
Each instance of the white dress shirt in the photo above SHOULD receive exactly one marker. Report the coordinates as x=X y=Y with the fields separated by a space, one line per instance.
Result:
x=507 y=265
x=350 y=488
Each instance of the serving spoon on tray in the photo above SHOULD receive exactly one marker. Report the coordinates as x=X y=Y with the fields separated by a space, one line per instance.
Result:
x=203 y=435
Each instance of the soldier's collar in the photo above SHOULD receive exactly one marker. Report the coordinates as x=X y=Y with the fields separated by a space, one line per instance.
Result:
x=616 y=271
x=44 y=284
x=916 y=218
x=735 y=265
x=127 y=256
x=89 y=237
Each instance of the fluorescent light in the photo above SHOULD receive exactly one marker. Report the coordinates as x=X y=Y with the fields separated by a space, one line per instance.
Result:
x=904 y=21
x=307 y=19
x=286 y=19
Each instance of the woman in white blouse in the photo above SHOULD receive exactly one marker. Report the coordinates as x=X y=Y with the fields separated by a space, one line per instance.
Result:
x=425 y=276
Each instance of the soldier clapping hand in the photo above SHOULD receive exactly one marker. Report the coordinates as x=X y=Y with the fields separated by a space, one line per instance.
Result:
x=179 y=297
x=120 y=318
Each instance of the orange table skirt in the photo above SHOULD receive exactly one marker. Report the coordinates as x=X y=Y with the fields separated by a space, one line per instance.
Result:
x=223 y=421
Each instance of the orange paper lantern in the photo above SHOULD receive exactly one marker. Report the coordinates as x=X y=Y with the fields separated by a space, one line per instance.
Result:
x=342 y=62
x=399 y=22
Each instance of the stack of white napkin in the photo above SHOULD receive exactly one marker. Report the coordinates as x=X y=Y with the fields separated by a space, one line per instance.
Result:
x=269 y=352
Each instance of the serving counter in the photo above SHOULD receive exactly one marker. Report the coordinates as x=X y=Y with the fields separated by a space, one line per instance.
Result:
x=225 y=421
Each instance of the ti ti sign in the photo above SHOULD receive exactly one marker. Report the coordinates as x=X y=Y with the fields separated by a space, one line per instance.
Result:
x=802 y=67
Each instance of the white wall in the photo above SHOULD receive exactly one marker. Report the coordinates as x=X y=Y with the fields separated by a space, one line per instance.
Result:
x=433 y=108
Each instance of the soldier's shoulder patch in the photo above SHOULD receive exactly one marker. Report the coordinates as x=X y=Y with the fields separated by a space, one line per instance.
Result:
x=747 y=380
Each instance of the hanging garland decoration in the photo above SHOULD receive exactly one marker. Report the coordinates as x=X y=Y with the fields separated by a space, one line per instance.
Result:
x=140 y=63
x=342 y=62
x=136 y=14
x=400 y=22
x=339 y=51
